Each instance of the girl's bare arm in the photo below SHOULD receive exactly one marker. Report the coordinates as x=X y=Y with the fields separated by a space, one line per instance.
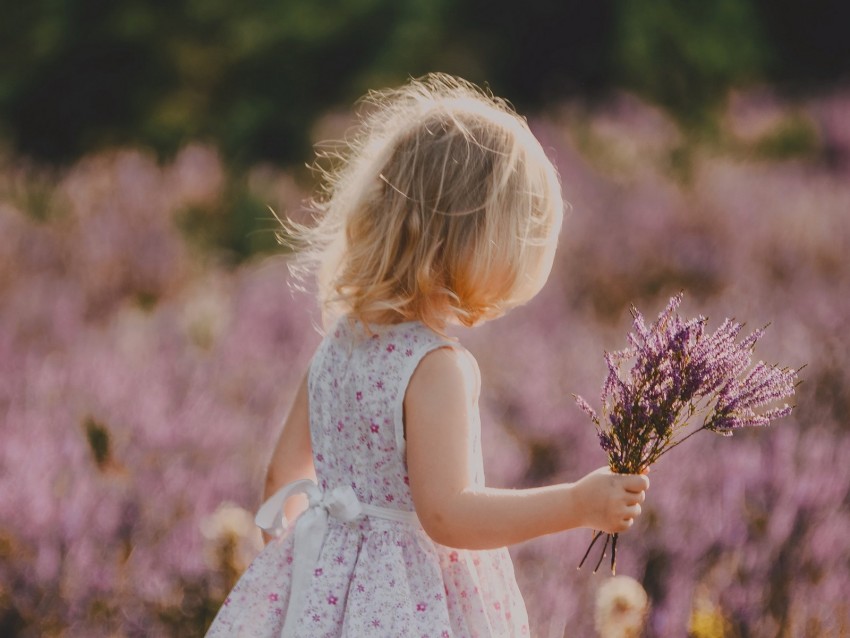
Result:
x=456 y=513
x=292 y=458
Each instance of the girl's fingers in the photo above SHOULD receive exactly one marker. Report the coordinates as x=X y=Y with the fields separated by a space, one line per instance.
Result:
x=629 y=514
x=636 y=482
x=634 y=499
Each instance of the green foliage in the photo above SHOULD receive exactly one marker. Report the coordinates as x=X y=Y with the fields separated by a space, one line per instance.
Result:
x=82 y=74
x=239 y=226
x=98 y=439
x=251 y=77
x=795 y=136
x=535 y=51
x=686 y=53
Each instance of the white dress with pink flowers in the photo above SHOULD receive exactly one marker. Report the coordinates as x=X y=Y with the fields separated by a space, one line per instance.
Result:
x=373 y=572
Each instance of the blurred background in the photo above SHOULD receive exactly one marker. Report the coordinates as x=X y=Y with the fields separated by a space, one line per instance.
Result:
x=150 y=343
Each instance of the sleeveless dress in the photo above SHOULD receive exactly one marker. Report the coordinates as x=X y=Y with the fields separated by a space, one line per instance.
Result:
x=373 y=571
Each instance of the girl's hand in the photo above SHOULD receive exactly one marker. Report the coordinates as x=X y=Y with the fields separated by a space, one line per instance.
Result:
x=610 y=502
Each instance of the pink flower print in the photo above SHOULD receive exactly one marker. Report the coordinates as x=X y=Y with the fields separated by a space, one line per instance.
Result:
x=340 y=560
x=389 y=498
x=497 y=605
x=407 y=480
x=273 y=597
x=358 y=395
x=374 y=427
x=445 y=634
x=316 y=617
x=318 y=572
x=339 y=426
x=227 y=600
x=408 y=352
x=438 y=597
x=421 y=607
x=463 y=594
x=453 y=557
x=332 y=600
x=507 y=615
x=376 y=623
x=320 y=457
x=278 y=611
x=289 y=560
x=379 y=384
x=390 y=347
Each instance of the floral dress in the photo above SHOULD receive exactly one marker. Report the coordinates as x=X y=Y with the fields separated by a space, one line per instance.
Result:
x=372 y=573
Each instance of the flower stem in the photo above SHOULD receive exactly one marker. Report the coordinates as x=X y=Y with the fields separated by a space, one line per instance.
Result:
x=680 y=441
x=602 y=556
x=592 y=543
x=614 y=555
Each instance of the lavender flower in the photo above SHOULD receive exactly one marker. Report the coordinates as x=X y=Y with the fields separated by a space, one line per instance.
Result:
x=679 y=372
x=188 y=390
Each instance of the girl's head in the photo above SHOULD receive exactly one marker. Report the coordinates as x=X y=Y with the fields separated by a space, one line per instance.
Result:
x=444 y=209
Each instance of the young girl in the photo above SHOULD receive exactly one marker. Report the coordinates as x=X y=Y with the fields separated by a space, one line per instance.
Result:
x=446 y=211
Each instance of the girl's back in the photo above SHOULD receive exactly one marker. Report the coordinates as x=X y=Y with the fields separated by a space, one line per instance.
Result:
x=445 y=211
x=379 y=574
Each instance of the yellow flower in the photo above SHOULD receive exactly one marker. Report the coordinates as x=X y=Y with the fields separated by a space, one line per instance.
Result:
x=707 y=619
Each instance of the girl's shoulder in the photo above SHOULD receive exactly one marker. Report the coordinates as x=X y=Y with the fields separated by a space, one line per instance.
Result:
x=450 y=361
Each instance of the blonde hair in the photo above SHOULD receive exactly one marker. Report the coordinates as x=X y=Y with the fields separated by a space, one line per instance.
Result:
x=444 y=206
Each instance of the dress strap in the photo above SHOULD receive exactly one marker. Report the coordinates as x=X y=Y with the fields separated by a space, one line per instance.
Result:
x=311 y=528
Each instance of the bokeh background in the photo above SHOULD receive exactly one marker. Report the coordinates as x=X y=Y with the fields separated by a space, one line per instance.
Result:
x=150 y=343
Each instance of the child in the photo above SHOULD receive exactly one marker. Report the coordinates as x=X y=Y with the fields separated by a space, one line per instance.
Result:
x=445 y=211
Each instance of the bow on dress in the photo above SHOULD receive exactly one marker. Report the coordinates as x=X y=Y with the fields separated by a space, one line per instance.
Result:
x=310 y=530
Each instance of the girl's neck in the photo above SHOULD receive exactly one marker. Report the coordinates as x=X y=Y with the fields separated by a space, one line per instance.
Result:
x=379 y=320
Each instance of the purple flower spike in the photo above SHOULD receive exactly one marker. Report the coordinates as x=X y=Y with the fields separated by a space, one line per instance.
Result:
x=679 y=372
x=585 y=407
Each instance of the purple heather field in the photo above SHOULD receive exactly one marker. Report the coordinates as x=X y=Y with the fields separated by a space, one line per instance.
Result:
x=143 y=376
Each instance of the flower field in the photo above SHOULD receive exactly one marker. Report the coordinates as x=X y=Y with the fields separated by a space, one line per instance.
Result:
x=144 y=375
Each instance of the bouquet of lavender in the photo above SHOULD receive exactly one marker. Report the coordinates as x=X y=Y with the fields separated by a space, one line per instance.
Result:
x=682 y=381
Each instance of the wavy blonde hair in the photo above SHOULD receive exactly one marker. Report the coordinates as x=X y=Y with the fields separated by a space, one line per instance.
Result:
x=442 y=208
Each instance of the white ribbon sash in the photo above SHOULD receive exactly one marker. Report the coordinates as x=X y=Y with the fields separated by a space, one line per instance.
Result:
x=310 y=530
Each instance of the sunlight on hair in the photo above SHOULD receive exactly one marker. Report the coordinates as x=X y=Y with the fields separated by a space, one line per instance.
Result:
x=441 y=207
